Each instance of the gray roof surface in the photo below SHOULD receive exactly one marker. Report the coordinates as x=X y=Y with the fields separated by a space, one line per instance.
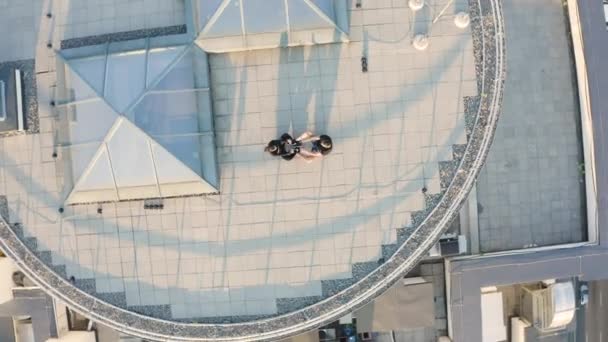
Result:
x=399 y=308
x=595 y=39
x=531 y=191
x=468 y=275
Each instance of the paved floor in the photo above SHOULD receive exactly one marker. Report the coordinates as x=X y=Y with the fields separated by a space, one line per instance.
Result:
x=20 y=22
x=278 y=229
x=531 y=190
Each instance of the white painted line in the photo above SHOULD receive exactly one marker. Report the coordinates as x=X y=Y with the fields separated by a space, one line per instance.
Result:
x=19 y=100
x=601 y=298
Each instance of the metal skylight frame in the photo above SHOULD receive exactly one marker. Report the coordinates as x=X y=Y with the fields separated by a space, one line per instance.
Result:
x=149 y=89
x=225 y=3
x=104 y=149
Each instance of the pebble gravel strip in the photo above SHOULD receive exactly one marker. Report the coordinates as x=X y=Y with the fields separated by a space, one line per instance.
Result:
x=122 y=36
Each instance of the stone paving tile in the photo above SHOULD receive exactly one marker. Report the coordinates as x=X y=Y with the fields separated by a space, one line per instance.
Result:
x=278 y=229
x=531 y=191
x=22 y=19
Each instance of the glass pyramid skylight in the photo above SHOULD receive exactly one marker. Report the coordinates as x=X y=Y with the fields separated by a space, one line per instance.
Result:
x=136 y=122
x=234 y=25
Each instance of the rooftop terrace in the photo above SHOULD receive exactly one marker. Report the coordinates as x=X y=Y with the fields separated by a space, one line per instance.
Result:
x=281 y=246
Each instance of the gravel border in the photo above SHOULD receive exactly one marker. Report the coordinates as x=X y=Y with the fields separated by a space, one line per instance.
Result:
x=122 y=36
x=489 y=34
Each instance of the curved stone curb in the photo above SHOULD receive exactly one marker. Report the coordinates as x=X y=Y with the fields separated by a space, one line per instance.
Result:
x=486 y=15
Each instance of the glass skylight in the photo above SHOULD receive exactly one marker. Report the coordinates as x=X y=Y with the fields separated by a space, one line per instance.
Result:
x=233 y=25
x=136 y=122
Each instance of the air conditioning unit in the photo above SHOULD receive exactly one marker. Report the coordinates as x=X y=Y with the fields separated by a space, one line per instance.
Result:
x=452 y=245
x=327 y=335
x=365 y=336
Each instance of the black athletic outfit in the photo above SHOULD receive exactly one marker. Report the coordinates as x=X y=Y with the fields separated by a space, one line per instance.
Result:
x=281 y=150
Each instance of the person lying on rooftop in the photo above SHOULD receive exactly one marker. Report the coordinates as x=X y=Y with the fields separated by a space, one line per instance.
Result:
x=320 y=146
x=282 y=147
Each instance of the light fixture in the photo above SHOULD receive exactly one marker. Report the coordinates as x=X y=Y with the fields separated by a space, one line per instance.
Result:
x=462 y=20
x=420 y=42
x=416 y=5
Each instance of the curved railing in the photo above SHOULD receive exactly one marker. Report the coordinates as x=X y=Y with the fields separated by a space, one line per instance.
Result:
x=488 y=31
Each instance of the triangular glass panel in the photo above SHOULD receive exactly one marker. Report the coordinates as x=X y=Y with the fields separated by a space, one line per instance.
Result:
x=72 y=86
x=99 y=175
x=80 y=157
x=206 y=10
x=171 y=170
x=130 y=156
x=175 y=120
x=89 y=121
x=159 y=59
x=174 y=112
x=173 y=103
x=85 y=118
x=257 y=16
x=327 y=6
x=303 y=17
x=168 y=113
x=126 y=76
x=96 y=183
x=122 y=91
x=225 y=23
x=185 y=148
x=189 y=72
x=92 y=71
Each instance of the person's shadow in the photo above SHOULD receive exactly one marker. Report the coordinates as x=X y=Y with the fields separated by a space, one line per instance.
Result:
x=307 y=77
